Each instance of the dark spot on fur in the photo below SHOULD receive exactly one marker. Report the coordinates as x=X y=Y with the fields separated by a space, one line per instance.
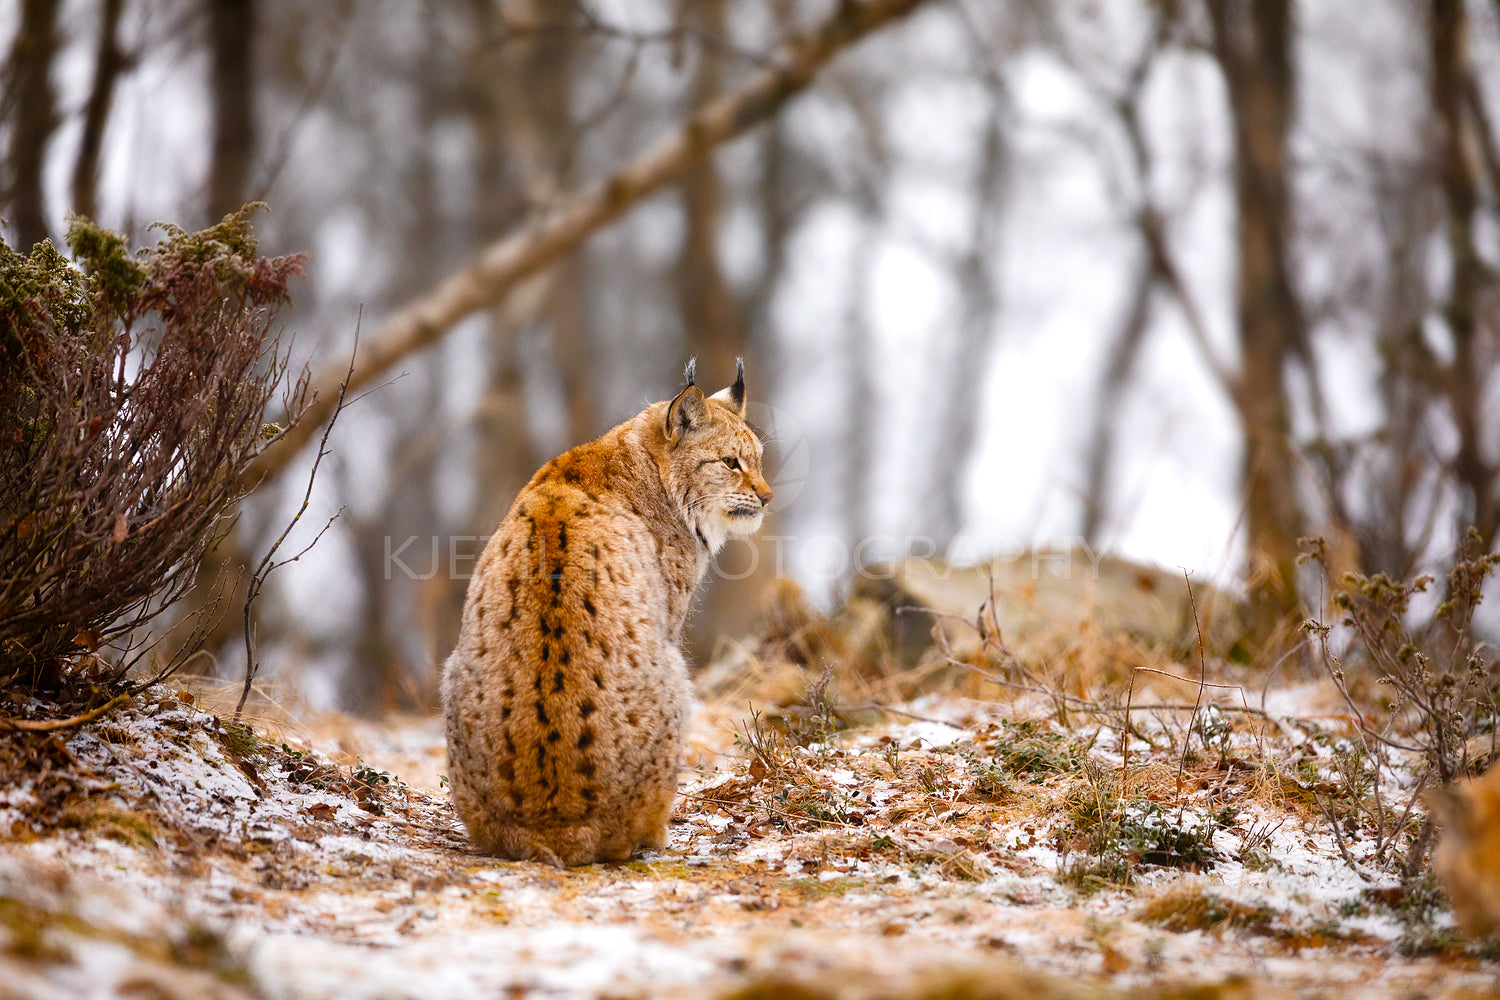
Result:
x=598 y=682
x=504 y=712
x=588 y=795
x=554 y=736
x=557 y=581
x=541 y=758
x=541 y=713
x=483 y=650
x=564 y=657
x=604 y=650
x=586 y=769
x=557 y=681
x=546 y=652
x=632 y=720
x=507 y=770
x=585 y=739
x=587 y=709
x=479 y=697
x=510 y=744
x=562 y=536
x=588 y=607
x=479 y=610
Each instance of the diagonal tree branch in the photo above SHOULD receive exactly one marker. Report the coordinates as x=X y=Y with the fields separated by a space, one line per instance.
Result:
x=499 y=267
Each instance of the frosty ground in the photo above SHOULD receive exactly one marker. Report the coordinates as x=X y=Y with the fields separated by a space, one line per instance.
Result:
x=946 y=845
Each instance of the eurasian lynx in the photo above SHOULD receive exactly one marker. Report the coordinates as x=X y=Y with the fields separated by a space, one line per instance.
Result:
x=567 y=696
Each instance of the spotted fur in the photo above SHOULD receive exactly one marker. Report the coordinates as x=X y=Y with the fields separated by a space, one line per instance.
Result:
x=566 y=698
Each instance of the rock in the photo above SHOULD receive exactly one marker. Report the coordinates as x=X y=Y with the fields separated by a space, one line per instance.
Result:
x=1039 y=596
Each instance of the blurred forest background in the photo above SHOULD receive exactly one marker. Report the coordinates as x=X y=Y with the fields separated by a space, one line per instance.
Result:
x=1181 y=279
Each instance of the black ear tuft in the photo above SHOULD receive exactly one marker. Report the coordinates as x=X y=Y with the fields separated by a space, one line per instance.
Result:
x=737 y=391
x=691 y=371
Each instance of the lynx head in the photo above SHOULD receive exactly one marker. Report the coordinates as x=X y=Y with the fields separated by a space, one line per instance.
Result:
x=712 y=462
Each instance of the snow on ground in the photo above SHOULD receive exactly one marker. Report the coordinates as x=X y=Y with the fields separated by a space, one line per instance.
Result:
x=955 y=851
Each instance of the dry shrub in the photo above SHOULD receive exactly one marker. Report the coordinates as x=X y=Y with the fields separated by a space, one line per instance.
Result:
x=133 y=391
x=1438 y=687
x=1442 y=683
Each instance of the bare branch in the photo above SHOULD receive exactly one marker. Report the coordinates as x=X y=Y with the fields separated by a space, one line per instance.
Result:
x=53 y=725
x=499 y=267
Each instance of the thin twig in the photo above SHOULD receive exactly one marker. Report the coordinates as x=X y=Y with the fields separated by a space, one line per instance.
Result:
x=1125 y=740
x=268 y=564
x=1197 y=705
x=875 y=706
x=1338 y=838
x=53 y=725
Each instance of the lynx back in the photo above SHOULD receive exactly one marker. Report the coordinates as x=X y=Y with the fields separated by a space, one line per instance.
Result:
x=566 y=698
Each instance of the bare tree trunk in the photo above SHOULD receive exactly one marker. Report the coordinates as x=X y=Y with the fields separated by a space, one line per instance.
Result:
x=30 y=104
x=535 y=104
x=711 y=320
x=1465 y=377
x=1253 y=44
x=517 y=118
x=231 y=26
x=109 y=63
x=715 y=328
x=1117 y=373
x=861 y=414
x=958 y=422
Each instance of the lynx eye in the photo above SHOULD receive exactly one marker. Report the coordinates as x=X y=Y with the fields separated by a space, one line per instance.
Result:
x=732 y=462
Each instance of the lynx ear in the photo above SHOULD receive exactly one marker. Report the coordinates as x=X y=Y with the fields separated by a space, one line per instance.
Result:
x=685 y=414
x=735 y=394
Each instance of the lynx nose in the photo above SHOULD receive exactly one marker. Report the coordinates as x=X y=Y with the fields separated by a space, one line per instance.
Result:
x=765 y=496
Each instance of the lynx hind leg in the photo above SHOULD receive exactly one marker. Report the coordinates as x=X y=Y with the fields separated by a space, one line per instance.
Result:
x=651 y=822
x=558 y=846
x=565 y=846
